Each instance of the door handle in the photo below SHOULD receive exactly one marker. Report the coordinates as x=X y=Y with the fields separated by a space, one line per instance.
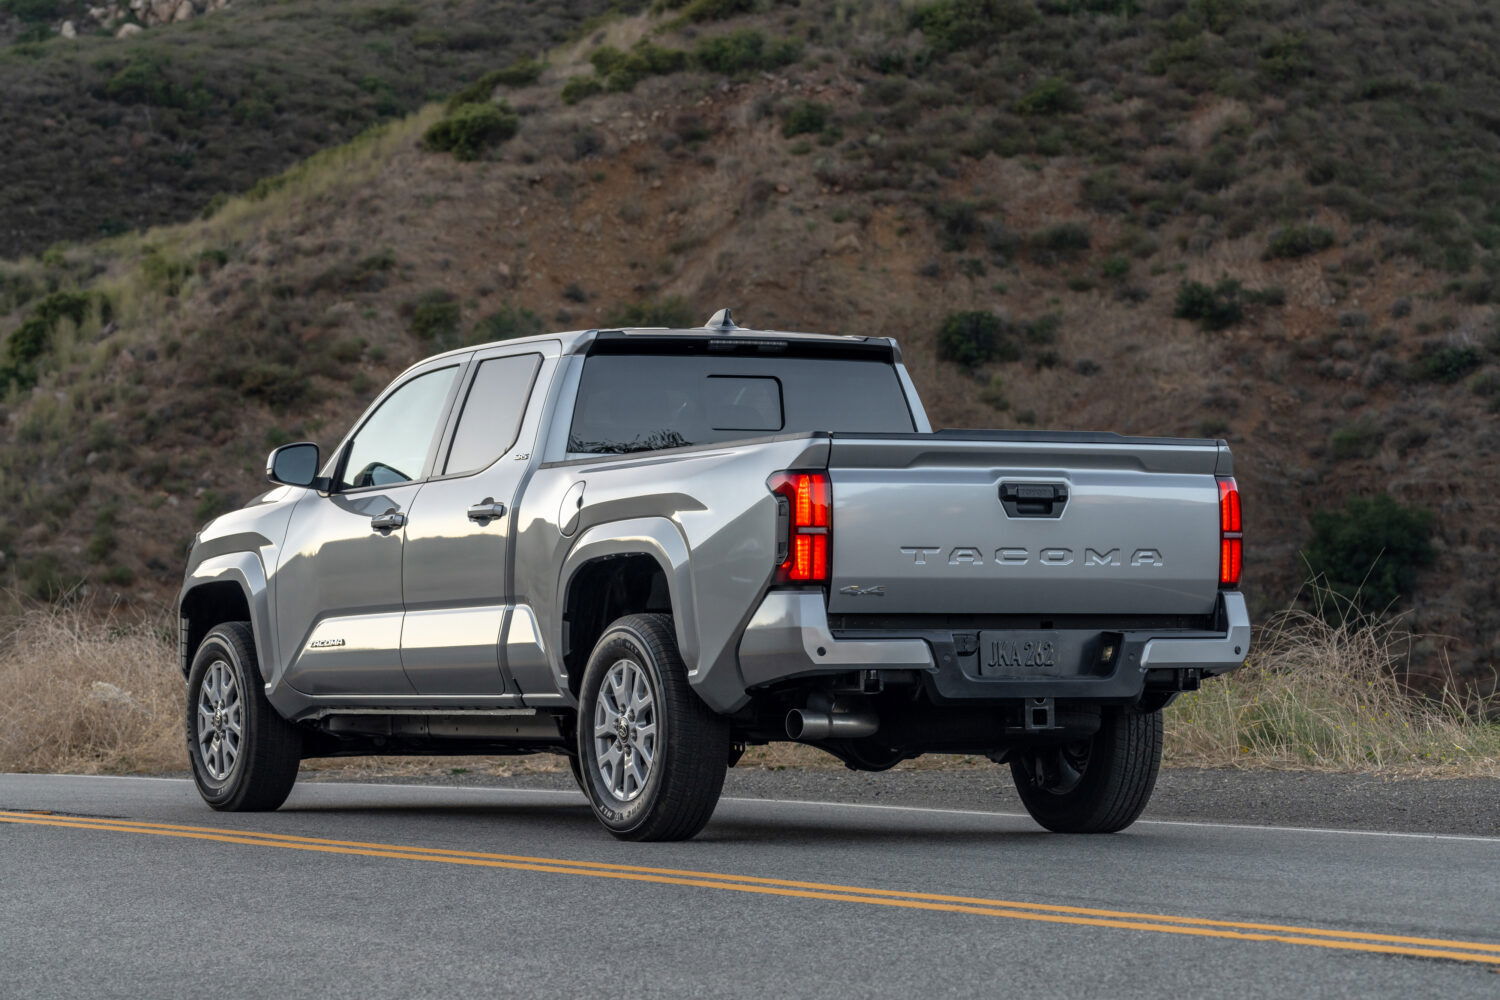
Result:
x=388 y=521
x=1034 y=499
x=486 y=510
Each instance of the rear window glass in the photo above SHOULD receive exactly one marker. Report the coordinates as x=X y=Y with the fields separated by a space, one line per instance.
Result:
x=629 y=403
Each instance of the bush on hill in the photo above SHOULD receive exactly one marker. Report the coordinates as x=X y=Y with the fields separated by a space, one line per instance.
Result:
x=1369 y=551
x=470 y=129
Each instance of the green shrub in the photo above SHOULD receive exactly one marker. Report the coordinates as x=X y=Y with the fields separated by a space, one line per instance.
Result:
x=30 y=342
x=1487 y=385
x=32 y=10
x=972 y=338
x=745 y=51
x=1370 y=550
x=1360 y=439
x=142 y=80
x=163 y=272
x=578 y=87
x=621 y=71
x=1213 y=307
x=388 y=16
x=42 y=577
x=994 y=394
x=517 y=74
x=146 y=79
x=1285 y=58
x=672 y=312
x=958 y=221
x=1298 y=241
x=433 y=315
x=950 y=25
x=1065 y=241
x=1052 y=96
x=1446 y=363
x=277 y=385
x=1043 y=329
x=715 y=10
x=507 y=323
x=470 y=129
x=803 y=117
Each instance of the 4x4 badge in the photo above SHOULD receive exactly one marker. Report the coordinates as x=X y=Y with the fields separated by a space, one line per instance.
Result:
x=855 y=590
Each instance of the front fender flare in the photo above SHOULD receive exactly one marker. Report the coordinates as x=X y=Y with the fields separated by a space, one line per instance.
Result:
x=246 y=570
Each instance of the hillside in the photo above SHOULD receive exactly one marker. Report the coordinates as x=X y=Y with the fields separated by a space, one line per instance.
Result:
x=104 y=135
x=1272 y=222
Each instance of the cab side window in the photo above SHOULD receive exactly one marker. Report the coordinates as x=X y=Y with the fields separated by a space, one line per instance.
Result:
x=492 y=412
x=392 y=445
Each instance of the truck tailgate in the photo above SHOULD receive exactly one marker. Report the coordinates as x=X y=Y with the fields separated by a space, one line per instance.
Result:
x=992 y=522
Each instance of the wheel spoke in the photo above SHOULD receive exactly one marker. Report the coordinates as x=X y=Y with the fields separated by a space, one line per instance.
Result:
x=609 y=765
x=645 y=742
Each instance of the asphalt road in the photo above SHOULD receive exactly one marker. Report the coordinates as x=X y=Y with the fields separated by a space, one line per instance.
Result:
x=120 y=887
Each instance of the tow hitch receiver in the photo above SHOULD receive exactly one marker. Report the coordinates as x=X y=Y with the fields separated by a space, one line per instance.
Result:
x=1038 y=715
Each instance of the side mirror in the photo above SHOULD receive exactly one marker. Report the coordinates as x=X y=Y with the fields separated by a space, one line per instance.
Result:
x=293 y=464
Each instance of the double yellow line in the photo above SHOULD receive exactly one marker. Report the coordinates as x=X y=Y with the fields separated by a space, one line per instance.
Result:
x=1315 y=937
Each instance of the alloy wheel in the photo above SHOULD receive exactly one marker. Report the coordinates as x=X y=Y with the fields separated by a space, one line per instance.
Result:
x=625 y=734
x=221 y=721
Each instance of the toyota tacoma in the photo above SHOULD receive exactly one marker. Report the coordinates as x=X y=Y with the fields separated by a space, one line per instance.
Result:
x=649 y=549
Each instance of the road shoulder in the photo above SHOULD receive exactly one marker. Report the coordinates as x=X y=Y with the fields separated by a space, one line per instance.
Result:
x=1467 y=806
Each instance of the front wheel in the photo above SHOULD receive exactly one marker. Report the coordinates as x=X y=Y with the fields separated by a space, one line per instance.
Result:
x=1097 y=785
x=245 y=756
x=652 y=755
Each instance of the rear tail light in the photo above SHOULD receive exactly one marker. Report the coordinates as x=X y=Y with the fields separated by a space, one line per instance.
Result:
x=803 y=526
x=1231 y=536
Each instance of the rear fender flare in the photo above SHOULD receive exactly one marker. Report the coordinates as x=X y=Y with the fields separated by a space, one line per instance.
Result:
x=656 y=537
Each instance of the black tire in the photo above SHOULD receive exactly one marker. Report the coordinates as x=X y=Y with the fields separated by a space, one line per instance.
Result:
x=1118 y=767
x=691 y=745
x=269 y=751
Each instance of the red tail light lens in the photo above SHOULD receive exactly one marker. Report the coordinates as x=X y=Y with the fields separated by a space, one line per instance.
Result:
x=1231 y=538
x=803 y=526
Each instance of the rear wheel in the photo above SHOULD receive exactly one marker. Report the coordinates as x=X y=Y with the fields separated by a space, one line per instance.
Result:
x=245 y=756
x=1097 y=785
x=652 y=755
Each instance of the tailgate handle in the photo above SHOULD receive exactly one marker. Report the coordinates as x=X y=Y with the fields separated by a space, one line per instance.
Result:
x=1034 y=499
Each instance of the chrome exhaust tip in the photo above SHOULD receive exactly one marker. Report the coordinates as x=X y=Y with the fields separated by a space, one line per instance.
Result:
x=805 y=725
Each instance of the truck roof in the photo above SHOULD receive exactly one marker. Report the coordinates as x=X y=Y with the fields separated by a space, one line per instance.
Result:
x=720 y=325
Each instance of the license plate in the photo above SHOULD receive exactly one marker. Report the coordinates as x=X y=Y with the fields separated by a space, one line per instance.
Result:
x=1029 y=654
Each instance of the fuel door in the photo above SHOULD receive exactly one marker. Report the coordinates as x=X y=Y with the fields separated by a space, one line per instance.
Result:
x=569 y=509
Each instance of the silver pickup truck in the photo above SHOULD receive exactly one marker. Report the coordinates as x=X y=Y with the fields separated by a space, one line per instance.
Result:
x=648 y=549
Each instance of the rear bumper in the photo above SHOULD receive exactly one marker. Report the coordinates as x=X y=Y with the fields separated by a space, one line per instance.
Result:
x=789 y=637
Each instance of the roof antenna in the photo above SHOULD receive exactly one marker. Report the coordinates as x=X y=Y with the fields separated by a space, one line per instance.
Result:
x=721 y=321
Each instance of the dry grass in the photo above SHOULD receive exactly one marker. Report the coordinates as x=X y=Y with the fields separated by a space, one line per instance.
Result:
x=1327 y=697
x=88 y=693
x=82 y=693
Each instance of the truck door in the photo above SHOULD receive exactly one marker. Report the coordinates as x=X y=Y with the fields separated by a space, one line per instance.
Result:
x=455 y=576
x=338 y=587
